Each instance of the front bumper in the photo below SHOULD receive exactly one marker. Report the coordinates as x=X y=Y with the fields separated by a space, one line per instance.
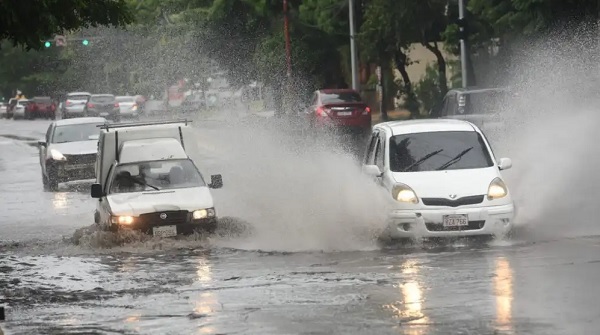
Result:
x=427 y=223
x=181 y=220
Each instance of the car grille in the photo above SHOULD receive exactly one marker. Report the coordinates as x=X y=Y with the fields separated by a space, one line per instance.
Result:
x=470 y=200
x=473 y=225
x=81 y=159
x=173 y=218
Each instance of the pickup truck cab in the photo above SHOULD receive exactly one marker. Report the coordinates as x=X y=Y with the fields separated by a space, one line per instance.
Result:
x=146 y=181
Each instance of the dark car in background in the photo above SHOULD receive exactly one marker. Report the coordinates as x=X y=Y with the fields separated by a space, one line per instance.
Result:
x=103 y=105
x=74 y=104
x=340 y=108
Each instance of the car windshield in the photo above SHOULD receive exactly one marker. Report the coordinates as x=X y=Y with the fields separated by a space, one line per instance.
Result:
x=487 y=102
x=78 y=97
x=156 y=175
x=340 y=97
x=445 y=150
x=125 y=99
x=75 y=132
x=102 y=98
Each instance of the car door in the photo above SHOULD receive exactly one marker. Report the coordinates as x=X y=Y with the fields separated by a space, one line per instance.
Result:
x=102 y=215
x=44 y=148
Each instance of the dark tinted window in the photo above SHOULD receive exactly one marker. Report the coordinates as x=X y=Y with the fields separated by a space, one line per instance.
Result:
x=43 y=100
x=340 y=97
x=75 y=132
x=78 y=97
x=488 y=102
x=443 y=148
x=102 y=98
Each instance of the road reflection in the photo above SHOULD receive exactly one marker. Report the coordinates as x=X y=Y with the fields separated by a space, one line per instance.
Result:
x=206 y=302
x=60 y=200
x=410 y=309
x=503 y=290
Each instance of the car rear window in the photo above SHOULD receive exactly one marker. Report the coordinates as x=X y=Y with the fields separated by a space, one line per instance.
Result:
x=42 y=100
x=78 y=97
x=75 y=132
x=340 y=97
x=444 y=150
x=103 y=98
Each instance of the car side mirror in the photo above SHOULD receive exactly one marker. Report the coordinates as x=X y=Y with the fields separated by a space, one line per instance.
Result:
x=504 y=163
x=216 y=181
x=97 y=191
x=372 y=170
x=42 y=143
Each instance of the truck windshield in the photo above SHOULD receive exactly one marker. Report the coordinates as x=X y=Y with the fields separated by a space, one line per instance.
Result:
x=156 y=175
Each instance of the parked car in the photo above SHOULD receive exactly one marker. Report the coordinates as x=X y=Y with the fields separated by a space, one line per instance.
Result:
x=343 y=108
x=128 y=107
x=103 y=105
x=443 y=178
x=43 y=107
x=10 y=108
x=74 y=105
x=23 y=109
x=4 y=110
x=68 y=152
x=192 y=104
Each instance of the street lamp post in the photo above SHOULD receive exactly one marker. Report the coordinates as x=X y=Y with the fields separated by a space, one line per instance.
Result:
x=463 y=46
x=353 y=55
x=288 y=56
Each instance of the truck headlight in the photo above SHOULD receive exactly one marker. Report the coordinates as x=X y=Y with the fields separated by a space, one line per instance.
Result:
x=122 y=219
x=497 y=189
x=57 y=156
x=404 y=193
x=203 y=213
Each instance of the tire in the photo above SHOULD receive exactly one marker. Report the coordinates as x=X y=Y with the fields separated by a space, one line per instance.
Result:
x=52 y=180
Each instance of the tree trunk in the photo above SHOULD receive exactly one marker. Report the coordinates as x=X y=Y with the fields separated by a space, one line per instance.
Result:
x=441 y=62
x=401 y=61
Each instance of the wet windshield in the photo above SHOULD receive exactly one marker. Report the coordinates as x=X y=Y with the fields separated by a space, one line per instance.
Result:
x=75 y=132
x=156 y=175
x=77 y=97
x=125 y=99
x=447 y=150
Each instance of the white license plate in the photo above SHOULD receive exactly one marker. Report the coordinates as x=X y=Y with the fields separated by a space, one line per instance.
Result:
x=104 y=114
x=455 y=220
x=344 y=113
x=165 y=231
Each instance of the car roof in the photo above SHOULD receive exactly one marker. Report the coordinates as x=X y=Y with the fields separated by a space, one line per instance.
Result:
x=425 y=126
x=79 y=93
x=103 y=95
x=80 y=120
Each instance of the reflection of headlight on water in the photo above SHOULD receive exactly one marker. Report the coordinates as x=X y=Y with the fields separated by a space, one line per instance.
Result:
x=504 y=294
x=60 y=200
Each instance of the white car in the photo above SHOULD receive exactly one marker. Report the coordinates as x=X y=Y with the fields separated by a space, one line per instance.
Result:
x=443 y=177
x=128 y=107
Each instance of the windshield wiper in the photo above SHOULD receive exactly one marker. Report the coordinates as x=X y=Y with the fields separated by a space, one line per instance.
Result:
x=426 y=157
x=135 y=180
x=455 y=159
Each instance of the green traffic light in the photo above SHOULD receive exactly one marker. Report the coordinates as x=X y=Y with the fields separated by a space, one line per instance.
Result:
x=47 y=44
x=85 y=42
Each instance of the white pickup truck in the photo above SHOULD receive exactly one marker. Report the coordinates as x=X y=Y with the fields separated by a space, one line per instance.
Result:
x=146 y=181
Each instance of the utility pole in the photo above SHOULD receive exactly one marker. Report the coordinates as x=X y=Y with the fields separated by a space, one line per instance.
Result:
x=353 y=56
x=288 y=57
x=463 y=46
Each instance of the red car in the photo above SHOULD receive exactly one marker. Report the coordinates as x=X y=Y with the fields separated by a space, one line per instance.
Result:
x=339 y=108
x=43 y=107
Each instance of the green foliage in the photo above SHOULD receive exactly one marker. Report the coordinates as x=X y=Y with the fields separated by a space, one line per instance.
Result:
x=28 y=22
x=427 y=89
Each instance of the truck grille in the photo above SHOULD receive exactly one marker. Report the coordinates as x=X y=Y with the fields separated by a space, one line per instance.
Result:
x=470 y=200
x=172 y=218
x=81 y=159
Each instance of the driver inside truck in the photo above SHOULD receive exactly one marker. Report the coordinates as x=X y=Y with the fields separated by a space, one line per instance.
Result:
x=125 y=182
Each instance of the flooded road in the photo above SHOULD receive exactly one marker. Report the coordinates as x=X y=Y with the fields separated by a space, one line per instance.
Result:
x=57 y=276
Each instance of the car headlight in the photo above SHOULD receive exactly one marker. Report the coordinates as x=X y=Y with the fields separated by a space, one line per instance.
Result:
x=122 y=219
x=203 y=213
x=404 y=193
x=497 y=189
x=56 y=155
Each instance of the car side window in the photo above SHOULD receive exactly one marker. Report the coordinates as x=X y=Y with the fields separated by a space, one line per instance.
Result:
x=370 y=156
x=380 y=153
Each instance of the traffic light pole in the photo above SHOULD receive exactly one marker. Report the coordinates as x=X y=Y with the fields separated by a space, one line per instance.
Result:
x=353 y=55
x=463 y=45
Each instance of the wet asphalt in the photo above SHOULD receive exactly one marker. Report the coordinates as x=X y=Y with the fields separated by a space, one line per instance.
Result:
x=57 y=276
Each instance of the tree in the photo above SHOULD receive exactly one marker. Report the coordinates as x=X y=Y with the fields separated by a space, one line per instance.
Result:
x=28 y=22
